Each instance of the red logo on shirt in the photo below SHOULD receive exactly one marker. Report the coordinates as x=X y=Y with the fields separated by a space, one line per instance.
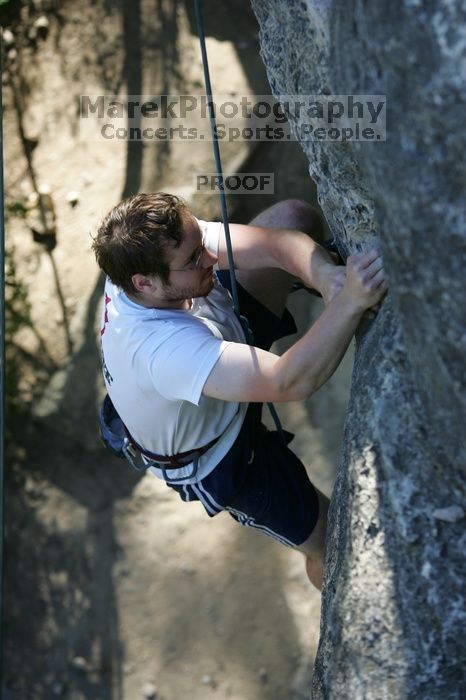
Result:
x=107 y=301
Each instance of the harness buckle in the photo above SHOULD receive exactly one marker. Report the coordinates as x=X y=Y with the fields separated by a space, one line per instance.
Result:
x=112 y=434
x=115 y=438
x=133 y=456
x=173 y=480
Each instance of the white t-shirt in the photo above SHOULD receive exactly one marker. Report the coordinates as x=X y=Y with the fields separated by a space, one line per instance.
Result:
x=156 y=362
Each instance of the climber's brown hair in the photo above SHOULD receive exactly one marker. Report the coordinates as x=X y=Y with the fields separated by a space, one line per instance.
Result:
x=133 y=237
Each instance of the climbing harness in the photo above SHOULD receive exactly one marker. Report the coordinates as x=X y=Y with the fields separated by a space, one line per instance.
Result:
x=117 y=438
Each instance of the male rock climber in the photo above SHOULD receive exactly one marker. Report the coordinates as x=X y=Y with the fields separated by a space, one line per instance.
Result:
x=181 y=375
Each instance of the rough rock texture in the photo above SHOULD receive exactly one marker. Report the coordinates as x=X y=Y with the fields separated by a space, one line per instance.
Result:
x=394 y=609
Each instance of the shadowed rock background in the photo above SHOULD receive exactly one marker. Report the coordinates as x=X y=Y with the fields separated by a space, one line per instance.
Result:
x=393 y=615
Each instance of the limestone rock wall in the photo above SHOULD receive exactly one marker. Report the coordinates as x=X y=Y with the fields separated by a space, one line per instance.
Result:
x=394 y=602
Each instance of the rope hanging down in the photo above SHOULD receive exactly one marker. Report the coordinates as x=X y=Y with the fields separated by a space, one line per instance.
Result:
x=223 y=203
x=2 y=361
x=218 y=163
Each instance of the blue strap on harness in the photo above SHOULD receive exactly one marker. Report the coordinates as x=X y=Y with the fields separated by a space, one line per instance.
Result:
x=113 y=435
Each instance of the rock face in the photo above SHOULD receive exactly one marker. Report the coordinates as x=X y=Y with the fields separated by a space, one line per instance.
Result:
x=394 y=601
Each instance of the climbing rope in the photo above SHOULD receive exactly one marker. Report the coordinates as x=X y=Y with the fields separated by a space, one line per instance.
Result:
x=221 y=191
x=218 y=163
x=2 y=354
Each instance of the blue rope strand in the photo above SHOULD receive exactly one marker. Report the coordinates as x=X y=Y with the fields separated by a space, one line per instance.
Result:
x=2 y=363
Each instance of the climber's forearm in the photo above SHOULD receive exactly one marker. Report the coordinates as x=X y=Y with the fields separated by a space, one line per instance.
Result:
x=256 y=247
x=310 y=362
x=298 y=254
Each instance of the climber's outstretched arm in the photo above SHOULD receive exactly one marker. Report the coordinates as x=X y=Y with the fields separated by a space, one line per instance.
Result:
x=245 y=373
x=295 y=252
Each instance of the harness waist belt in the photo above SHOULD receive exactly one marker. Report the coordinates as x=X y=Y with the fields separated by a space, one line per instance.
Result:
x=175 y=461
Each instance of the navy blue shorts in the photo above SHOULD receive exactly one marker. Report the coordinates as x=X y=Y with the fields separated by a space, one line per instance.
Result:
x=260 y=481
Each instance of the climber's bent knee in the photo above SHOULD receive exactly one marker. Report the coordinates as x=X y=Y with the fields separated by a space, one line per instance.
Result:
x=271 y=286
x=295 y=214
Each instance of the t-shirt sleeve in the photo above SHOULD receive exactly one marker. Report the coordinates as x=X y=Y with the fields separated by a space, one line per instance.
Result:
x=181 y=363
x=211 y=231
